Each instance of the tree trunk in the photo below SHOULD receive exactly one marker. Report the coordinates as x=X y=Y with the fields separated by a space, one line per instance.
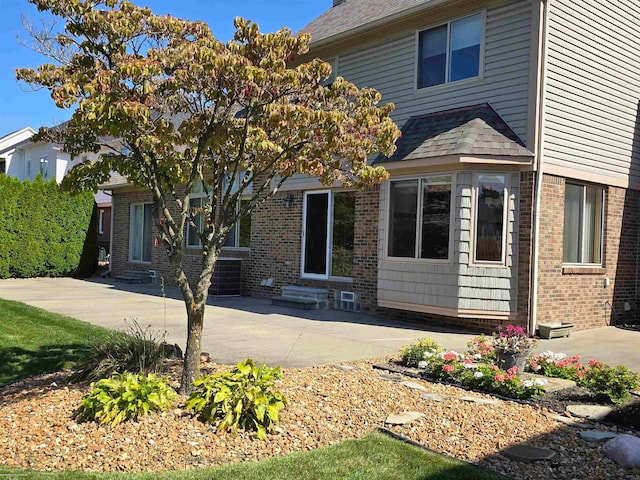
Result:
x=191 y=364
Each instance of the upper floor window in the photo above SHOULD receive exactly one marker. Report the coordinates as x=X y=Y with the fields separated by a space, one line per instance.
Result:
x=491 y=191
x=450 y=52
x=583 y=214
x=420 y=218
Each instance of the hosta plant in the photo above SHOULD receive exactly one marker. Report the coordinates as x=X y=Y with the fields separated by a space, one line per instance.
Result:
x=243 y=398
x=413 y=355
x=125 y=396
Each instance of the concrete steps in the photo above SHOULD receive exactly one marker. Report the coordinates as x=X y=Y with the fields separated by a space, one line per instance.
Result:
x=304 y=298
x=134 y=276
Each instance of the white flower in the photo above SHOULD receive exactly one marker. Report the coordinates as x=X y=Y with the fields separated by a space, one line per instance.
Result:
x=428 y=354
x=540 y=382
x=422 y=364
x=477 y=375
x=455 y=353
x=477 y=356
x=527 y=384
x=560 y=356
x=538 y=367
x=469 y=365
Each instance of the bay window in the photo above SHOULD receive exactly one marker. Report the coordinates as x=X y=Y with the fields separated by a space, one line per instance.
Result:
x=420 y=218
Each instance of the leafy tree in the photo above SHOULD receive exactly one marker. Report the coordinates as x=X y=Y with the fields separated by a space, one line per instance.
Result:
x=188 y=110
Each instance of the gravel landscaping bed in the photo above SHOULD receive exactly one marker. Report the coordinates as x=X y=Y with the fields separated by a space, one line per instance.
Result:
x=326 y=404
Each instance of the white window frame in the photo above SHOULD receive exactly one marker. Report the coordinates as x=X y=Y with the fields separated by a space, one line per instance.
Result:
x=236 y=227
x=101 y=222
x=452 y=210
x=417 y=59
x=329 y=240
x=473 y=237
x=603 y=199
x=131 y=259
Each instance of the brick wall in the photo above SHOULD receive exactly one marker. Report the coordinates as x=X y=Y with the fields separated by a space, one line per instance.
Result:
x=159 y=260
x=276 y=248
x=579 y=295
x=525 y=243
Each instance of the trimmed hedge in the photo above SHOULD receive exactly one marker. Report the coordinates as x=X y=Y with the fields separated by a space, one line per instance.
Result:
x=43 y=230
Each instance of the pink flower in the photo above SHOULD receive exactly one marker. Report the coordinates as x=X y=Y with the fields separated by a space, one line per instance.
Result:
x=449 y=357
x=499 y=377
x=493 y=367
x=467 y=361
x=513 y=370
x=448 y=368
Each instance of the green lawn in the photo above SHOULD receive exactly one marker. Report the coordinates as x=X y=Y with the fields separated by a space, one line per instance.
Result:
x=34 y=341
x=375 y=457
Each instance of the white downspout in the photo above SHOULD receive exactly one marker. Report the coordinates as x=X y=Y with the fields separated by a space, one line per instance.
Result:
x=538 y=192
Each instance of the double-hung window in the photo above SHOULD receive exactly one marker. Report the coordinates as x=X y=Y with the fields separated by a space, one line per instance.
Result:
x=420 y=217
x=450 y=52
x=583 y=219
x=238 y=236
x=491 y=221
x=328 y=231
x=141 y=232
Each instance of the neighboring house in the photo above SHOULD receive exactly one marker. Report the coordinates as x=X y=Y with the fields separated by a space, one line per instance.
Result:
x=514 y=192
x=24 y=159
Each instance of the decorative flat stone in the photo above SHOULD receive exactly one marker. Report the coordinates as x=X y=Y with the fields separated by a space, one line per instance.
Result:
x=592 y=412
x=553 y=384
x=528 y=453
x=414 y=386
x=597 y=435
x=403 y=418
x=567 y=421
x=434 y=397
x=346 y=368
x=624 y=450
x=391 y=377
x=480 y=401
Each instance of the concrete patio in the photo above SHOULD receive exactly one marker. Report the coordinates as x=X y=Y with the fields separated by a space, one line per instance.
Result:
x=239 y=327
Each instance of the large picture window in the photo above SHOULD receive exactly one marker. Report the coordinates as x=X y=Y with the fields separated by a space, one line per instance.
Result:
x=491 y=194
x=329 y=219
x=450 y=52
x=420 y=218
x=583 y=214
x=141 y=232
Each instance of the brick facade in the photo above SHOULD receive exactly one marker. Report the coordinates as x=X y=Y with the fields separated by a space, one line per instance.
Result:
x=580 y=295
x=121 y=204
x=276 y=248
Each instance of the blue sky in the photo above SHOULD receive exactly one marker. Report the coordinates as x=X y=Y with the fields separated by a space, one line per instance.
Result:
x=20 y=107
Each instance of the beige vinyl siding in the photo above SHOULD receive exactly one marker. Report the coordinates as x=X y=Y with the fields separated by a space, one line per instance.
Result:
x=455 y=284
x=390 y=67
x=593 y=88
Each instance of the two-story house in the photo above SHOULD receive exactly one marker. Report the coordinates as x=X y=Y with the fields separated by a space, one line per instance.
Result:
x=513 y=194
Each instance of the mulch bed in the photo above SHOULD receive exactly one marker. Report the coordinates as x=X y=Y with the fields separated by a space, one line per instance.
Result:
x=326 y=405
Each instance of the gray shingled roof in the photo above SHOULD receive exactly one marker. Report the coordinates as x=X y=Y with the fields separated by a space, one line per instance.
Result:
x=116 y=180
x=473 y=130
x=357 y=13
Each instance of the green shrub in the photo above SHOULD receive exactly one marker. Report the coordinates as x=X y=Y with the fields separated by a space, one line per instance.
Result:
x=137 y=351
x=412 y=355
x=243 y=398
x=125 y=396
x=614 y=382
x=43 y=229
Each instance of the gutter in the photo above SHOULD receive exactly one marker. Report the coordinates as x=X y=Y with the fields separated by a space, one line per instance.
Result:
x=539 y=172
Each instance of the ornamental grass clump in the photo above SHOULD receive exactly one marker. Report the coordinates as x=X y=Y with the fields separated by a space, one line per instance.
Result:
x=417 y=354
x=556 y=365
x=243 y=398
x=125 y=396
